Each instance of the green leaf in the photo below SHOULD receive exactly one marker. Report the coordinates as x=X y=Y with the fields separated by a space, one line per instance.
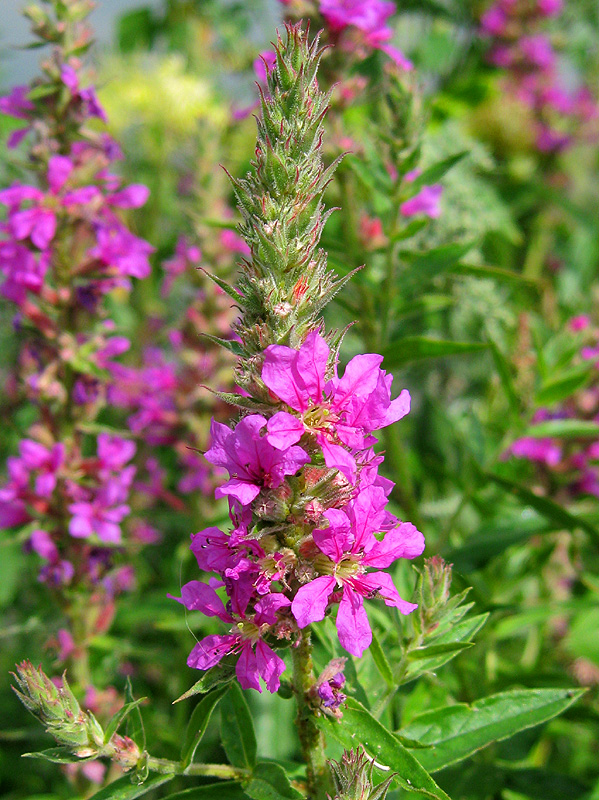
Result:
x=124 y=789
x=417 y=348
x=461 y=632
x=215 y=676
x=434 y=650
x=421 y=268
x=58 y=755
x=270 y=782
x=198 y=723
x=548 y=508
x=564 y=428
x=358 y=726
x=229 y=344
x=505 y=375
x=224 y=790
x=558 y=389
x=237 y=729
x=458 y=731
x=44 y=90
x=491 y=540
x=437 y=171
x=120 y=715
x=498 y=274
x=380 y=659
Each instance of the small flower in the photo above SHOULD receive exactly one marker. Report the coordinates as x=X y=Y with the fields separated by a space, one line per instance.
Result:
x=340 y=412
x=350 y=548
x=425 y=202
x=252 y=461
x=256 y=659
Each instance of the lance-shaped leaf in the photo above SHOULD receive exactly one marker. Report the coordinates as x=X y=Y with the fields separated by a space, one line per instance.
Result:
x=420 y=268
x=215 y=676
x=456 y=637
x=237 y=729
x=270 y=782
x=560 y=516
x=418 y=348
x=120 y=715
x=123 y=789
x=358 y=726
x=198 y=724
x=455 y=732
x=223 y=790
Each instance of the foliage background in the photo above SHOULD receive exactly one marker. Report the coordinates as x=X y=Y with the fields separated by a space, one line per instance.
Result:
x=169 y=76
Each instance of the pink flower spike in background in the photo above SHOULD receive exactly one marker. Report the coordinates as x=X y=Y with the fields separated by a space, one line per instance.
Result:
x=426 y=202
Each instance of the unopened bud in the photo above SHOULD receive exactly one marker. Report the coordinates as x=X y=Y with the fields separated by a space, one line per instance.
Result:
x=353 y=777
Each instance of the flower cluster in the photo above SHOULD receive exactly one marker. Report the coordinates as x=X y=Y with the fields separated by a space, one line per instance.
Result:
x=358 y=26
x=45 y=482
x=311 y=532
x=308 y=506
x=531 y=62
x=64 y=247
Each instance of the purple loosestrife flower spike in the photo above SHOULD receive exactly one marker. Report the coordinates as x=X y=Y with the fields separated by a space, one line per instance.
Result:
x=310 y=533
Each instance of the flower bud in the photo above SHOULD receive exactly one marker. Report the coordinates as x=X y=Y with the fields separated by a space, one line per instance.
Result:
x=353 y=777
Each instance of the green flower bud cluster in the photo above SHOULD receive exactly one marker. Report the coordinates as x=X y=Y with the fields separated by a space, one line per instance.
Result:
x=77 y=731
x=353 y=777
x=284 y=283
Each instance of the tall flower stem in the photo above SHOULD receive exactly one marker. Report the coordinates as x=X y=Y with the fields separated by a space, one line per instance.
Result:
x=311 y=738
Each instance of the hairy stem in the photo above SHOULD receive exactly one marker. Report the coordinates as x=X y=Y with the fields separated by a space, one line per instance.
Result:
x=311 y=738
x=166 y=767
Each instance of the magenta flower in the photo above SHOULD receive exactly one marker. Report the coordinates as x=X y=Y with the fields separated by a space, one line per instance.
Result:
x=46 y=463
x=538 y=51
x=95 y=517
x=350 y=548
x=185 y=256
x=16 y=104
x=549 y=8
x=493 y=21
x=233 y=243
x=545 y=451
x=341 y=413
x=38 y=221
x=369 y=16
x=256 y=659
x=425 y=202
x=114 y=452
x=251 y=460
x=118 y=248
x=23 y=270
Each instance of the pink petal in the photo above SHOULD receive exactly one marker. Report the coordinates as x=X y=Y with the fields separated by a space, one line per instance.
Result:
x=266 y=608
x=398 y=408
x=209 y=651
x=338 y=538
x=312 y=360
x=270 y=666
x=336 y=457
x=247 y=668
x=352 y=623
x=382 y=584
x=240 y=490
x=284 y=430
x=360 y=378
x=59 y=169
x=402 y=542
x=281 y=376
x=311 y=601
x=198 y=596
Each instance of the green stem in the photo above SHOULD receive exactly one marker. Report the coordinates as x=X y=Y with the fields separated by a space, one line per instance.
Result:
x=311 y=738
x=166 y=767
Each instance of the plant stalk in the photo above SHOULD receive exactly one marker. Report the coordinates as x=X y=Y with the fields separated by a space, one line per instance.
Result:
x=310 y=736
